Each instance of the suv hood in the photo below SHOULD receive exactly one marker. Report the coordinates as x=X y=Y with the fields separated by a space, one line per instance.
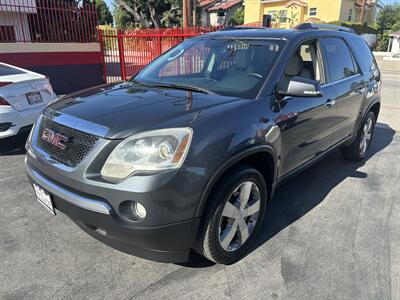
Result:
x=127 y=108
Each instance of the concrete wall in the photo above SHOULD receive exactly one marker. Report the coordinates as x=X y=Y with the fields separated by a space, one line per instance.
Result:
x=326 y=10
x=252 y=11
x=369 y=38
x=345 y=9
x=70 y=66
x=395 y=47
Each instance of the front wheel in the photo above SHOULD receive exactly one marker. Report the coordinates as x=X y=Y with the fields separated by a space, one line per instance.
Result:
x=357 y=150
x=234 y=216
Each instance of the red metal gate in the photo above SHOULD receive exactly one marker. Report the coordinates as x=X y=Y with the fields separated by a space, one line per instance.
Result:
x=124 y=53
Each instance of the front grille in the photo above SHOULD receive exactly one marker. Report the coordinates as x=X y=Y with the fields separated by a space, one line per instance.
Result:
x=77 y=147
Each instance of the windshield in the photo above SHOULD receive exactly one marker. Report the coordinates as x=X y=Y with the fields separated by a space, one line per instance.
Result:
x=228 y=66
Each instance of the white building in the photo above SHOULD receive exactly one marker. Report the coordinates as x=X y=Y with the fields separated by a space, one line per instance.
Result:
x=394 y=43
x=14 y=25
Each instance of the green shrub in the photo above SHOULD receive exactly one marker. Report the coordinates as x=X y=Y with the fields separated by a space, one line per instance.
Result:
x=357 y=27
x=382 y=42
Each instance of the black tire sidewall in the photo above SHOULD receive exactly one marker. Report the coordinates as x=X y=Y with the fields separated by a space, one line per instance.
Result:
x=352 y=152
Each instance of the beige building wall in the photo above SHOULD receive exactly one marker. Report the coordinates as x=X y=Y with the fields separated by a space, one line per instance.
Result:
x=326 y=10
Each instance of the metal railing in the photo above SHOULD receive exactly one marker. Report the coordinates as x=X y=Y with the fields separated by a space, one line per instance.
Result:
x=47 y=21
x=126 y=52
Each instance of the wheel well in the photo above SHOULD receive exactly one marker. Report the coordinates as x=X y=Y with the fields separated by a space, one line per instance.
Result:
x=375 y=109
x=264 y=163
x=261 y=161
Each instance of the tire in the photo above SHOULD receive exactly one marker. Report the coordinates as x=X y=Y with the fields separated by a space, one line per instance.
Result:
x=227 y=218
x=357 y=150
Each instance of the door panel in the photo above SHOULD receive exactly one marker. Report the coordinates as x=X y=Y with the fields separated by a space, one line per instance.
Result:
x=306 y=125
x=345 y=76
x=350 y=96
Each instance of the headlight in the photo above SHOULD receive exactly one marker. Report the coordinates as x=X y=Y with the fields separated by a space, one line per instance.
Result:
x=148 y=151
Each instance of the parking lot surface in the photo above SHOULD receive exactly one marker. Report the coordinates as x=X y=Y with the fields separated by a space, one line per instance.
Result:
x=331 y=233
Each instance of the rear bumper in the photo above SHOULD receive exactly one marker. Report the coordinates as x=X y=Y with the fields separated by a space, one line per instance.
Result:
x=19 y=120
x=165 y=243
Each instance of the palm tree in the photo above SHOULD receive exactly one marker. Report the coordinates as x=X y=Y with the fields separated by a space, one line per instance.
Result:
x=277 y=17
x=293 y=18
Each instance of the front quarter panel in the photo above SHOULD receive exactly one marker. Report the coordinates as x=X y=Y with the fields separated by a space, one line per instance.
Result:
x=221 y=140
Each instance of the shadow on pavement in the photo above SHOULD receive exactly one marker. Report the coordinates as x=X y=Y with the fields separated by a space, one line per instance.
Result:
x=298 y=196
x=14 y=145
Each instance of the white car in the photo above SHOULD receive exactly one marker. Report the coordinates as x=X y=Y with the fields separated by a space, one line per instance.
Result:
x=23 y=95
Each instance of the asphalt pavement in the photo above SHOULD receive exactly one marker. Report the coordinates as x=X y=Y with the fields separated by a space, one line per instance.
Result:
x=331 y=233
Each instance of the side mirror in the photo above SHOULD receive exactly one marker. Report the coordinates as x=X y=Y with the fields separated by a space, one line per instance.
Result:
x=301 y=87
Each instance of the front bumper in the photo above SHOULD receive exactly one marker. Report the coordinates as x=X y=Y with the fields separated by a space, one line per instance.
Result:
x=165 y=243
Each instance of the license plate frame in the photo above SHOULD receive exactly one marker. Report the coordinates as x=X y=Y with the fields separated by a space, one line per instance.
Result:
x=34 y=98
x=44 y=198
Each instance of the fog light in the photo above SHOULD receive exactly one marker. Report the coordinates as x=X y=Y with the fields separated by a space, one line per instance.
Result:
x=139 y=210
x=132 y=211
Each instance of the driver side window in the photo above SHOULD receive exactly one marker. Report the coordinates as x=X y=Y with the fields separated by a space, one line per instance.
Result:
x=304 y=63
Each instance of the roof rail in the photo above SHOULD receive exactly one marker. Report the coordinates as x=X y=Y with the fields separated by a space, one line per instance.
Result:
x=324 y=26
x=241 y=28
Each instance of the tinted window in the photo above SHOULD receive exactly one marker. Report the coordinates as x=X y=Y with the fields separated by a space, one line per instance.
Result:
x=6 y=70
x=367 y=60
x=340 y=61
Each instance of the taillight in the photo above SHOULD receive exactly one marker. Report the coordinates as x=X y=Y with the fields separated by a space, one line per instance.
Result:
x=4 y=83
x=3 y=102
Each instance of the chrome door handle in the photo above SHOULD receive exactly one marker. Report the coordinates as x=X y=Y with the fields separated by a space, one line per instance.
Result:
x=330 y=103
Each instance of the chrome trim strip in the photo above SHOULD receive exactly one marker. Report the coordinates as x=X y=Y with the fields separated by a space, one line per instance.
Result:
x=339 y=81
x=68 y=196
x=76 y=123
x=43 y=155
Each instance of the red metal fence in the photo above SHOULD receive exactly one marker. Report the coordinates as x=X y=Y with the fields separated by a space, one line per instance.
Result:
x=47 y=21
x=127 y=52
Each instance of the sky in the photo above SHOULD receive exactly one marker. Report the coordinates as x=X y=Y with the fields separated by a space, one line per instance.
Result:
x=110 y=2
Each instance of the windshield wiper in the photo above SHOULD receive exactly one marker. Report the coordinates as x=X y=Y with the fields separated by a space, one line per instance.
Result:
x=183 y=87
x=140 y=82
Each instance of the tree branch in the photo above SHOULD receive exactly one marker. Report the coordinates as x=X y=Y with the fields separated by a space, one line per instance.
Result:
x=133 y=12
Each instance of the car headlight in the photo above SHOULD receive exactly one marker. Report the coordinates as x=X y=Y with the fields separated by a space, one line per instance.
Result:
x=148 y=151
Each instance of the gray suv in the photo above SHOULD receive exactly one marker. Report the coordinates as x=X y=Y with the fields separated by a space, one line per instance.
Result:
x=186 y=155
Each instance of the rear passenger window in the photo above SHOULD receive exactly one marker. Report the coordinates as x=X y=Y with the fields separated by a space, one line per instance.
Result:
x=6 y=71
x=340 y=61
x=367 y=61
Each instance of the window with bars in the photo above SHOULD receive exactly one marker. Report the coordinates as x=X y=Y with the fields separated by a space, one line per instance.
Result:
x=7 y=33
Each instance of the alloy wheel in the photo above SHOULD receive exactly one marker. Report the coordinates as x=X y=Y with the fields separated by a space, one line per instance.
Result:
x=239 y=216
x=366 y=136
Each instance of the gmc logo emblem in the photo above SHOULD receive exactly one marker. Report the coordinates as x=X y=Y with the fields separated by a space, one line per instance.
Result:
x=54 y=138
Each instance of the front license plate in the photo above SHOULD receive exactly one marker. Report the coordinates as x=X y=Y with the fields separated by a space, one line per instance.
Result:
x=44 y=198
x=34 y=98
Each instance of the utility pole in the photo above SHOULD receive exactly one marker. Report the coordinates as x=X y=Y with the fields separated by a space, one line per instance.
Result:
x=189 y=13
x=184 y=13
x=194 y=6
